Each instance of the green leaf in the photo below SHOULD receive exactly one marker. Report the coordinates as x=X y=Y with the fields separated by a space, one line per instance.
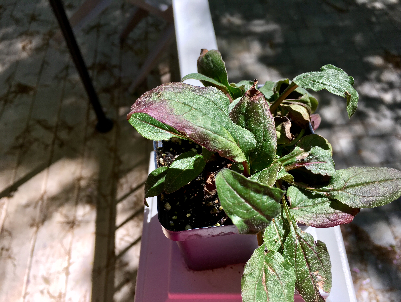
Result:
x=211 y=64
x=199 y=114
x=275 y=234
x=252 y=113
x=313 y=153
x=298 y=113
x=317 y=161
x=245 y=85
x=267 y=277
x=318 y=211
x=279 y=87
x=154 y=185
x=283 y=130
x=151 y=128
x=186 y=167
x=267 y=89
x=201 y=77
x=249 y=204
x=268 y=176
x=307 y=99
x=311 y=262
x=233 y=104
x=364 y=187
x=283 y=175
x=309 y=141
x=334 y=80
x=207 y=155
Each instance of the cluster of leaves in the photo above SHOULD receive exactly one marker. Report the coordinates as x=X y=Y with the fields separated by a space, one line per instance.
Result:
x=282 y=174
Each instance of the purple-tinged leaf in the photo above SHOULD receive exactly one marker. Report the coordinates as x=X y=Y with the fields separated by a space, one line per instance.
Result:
x=364 y=187
x=315 y=120
x=317 y=161
x=252 y=113
x=311 y=262
x=200 y=114
x=313 y=153
x=318 y=211
x=249 y=204
x=267 y=277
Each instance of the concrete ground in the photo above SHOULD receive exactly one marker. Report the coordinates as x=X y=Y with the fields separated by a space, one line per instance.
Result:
x=71 y=199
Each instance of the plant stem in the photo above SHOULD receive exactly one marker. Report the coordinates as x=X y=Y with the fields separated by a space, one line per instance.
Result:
x=282 y=97
x=247 y=171
x=287 y=213
x=259 y=235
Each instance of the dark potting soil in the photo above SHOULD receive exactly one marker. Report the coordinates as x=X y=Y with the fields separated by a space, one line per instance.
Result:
x=195 y=205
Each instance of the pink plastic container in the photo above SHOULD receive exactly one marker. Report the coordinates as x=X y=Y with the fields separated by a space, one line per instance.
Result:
x=210 y=247
x=213 y=247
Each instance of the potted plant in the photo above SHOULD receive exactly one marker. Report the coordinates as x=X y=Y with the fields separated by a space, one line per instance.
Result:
x=260 y=167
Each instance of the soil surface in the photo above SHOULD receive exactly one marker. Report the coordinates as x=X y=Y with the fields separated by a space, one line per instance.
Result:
x=195 y=205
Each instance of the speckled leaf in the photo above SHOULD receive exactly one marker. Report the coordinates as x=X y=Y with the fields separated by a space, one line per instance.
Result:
x=334 y=80
x=319 y=161
x=311 y=262
x=200 y=114
x=186 y=167
x=364 y=187
x=249 y=204
x=253 y=114
x=275 y=234
x=316 y=160
x=211 y=64
x=267 y=277
x=154 y=185
x=313 y=153
x=151 y=128
x=318 y=211
x=268 y=176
